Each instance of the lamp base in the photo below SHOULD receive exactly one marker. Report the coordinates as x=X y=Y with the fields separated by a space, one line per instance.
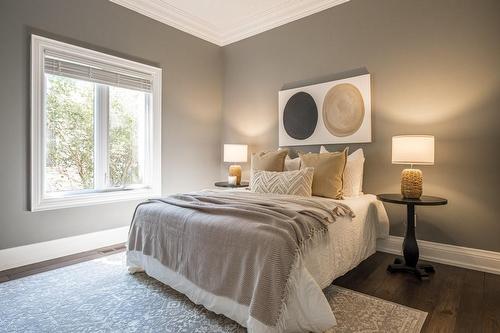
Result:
x=411 y=183
x=235 y=170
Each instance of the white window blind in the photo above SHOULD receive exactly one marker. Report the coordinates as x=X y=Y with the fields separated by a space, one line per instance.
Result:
x=94 y=71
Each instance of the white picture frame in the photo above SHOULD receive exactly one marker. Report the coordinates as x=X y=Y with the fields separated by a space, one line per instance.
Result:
x=321 y=135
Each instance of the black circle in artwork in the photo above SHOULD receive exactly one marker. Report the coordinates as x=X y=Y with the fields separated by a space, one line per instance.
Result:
x=300 y=116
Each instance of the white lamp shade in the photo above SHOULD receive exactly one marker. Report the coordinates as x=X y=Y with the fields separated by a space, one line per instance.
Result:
x=413 y=149
x=235 y=153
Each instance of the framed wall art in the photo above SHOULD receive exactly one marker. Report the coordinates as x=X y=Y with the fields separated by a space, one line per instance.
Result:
x=326 y=113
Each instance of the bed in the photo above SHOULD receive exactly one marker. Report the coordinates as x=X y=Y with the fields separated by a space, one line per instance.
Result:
x=345 y=242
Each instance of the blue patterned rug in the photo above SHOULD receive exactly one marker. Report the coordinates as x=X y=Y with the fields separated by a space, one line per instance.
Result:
x=100 y=296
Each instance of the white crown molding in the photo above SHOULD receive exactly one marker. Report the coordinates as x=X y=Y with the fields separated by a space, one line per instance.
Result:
x=37 y=252
x=221 y=34
x=276 y=17
x=174 y=17
x=480 y=260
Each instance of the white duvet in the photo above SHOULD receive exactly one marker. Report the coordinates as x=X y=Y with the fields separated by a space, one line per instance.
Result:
x=350 y=242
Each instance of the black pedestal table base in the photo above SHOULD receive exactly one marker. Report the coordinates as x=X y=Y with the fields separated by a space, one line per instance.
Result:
x=409 y=262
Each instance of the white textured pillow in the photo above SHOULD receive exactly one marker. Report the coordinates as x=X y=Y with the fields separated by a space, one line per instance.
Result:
x=291 y=164
x=353 y=174
x=297 y=182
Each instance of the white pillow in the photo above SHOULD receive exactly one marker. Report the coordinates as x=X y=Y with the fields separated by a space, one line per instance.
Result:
x=297 y=182
x=353 y=173
x=291 y=164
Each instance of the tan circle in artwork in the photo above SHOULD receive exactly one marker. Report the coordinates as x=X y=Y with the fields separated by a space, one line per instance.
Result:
x=343 y=110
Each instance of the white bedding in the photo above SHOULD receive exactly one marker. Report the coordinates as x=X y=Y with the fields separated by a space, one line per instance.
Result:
x=351 y=241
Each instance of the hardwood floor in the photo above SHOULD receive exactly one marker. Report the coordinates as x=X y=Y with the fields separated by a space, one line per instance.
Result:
x=456 y=299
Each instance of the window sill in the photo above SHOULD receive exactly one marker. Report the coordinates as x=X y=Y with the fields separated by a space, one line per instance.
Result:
x=93 y=198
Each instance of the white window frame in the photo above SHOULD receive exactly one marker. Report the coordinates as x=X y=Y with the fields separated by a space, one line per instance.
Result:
x=40 y=201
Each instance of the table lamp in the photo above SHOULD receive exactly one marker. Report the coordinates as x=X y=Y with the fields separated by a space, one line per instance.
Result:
x=412 y=150
x=235 y=154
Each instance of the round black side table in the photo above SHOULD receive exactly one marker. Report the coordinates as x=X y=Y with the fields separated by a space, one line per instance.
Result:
x=410 y=246
x=226 y=184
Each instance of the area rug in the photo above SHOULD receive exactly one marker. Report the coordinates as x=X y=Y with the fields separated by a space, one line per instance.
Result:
x=100 y=296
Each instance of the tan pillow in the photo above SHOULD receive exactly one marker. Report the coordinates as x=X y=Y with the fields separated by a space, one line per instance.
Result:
x=353 y=174
x=298 y=182
x=328 y=172
x=269 y=161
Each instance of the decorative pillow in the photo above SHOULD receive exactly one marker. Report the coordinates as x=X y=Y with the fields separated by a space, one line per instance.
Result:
x=328 y=172
x=353 y=173
x=297 y=182
x=268 y=161
x=291 y=164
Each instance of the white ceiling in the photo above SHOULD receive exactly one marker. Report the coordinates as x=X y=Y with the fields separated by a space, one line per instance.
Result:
x=226 y=21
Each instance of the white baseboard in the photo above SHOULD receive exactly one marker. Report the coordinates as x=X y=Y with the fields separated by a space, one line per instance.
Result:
x=37 y=252
x=480 y=260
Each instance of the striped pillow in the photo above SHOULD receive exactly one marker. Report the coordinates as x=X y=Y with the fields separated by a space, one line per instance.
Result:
x=297 y=182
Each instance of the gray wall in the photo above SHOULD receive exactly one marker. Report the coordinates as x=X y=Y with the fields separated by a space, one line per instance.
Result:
x=435 y=69
x=192 y=91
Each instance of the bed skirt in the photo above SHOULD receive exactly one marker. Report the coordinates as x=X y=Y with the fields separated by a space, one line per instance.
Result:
x=307 y=309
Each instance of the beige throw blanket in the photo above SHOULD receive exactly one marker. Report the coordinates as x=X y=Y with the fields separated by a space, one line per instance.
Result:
x=240 y=245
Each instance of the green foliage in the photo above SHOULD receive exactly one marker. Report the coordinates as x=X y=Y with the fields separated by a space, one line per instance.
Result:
x=70 y=124
x=123 y=161
x=70 y=137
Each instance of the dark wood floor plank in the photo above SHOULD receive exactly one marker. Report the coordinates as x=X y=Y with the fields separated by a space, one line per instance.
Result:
x=471 y=305
x=391 y=286
x=377 y=277
x=367 y=275
x=398 y=288
x=491 y=314
x=448 y=295
x=424 y=295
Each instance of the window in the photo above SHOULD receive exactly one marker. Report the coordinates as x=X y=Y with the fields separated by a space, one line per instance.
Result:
x=95 y=127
